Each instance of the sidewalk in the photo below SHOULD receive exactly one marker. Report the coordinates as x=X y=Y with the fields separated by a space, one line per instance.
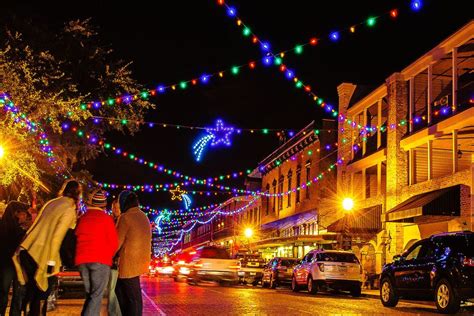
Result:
x=72 y=307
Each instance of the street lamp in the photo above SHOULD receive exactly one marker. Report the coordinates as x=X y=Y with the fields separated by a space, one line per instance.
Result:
x=2 y=152
x=348 y=204
x=248 y=232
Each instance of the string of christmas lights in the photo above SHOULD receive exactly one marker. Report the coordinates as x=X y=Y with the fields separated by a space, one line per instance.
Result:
x=22 y=119
x=205 y=78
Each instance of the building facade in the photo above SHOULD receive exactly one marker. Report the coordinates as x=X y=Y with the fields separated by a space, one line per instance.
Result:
x=409 y=152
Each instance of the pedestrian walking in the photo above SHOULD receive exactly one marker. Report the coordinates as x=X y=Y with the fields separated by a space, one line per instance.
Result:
x=12 y=231
x=134 y=253
x=38 y=260
x=113 y=307
x=96 y=245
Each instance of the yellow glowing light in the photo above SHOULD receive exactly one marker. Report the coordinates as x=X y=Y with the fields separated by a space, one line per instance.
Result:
x=348 y=204
x=2 y=152
x=248 y=232
x=177 y=194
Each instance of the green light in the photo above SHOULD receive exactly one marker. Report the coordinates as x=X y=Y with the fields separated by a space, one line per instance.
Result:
x=248 y=171
x=299 y=84
x=110 y=101
x=246 y=31
x=124 y=122
x=69 y=114
x=320 y=101
x=277 y=162
x=169 y=172
x=183 y=84
x=144 y=95
x=371 y=21
x=107 y=145
x=316 y=131
x=310 y=152
x=80 y=133
x=132 y=156
x=298 y=49
x=265 y=130
x=221 y=177
x=334 y=113
x=235 y=70
x=278 y=61
x=83 y=106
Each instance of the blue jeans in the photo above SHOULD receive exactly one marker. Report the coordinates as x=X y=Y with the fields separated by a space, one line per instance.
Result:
x=7 y=278
x=96 y=278
x=113 y=306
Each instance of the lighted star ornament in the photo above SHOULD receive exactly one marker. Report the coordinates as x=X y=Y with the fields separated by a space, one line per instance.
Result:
x=219 y=135
x=177 y=194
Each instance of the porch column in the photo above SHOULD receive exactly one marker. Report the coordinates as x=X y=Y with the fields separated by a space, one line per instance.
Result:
x=353 y=129
x=429 y=147
x=455 y=77
x=364 y=184
x=411 y=104
x=379 y=123
x=411 y=166
x=455 y=150
x=430 y=92
x=364 y=121
x=379 y=178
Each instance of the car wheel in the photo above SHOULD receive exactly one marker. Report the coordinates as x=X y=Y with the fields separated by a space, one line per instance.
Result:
x=254 y=283
x=387 y=294
x=312 y=286
x=447 y=301
x=273 y=283
x=294 y=285
x=356 y=291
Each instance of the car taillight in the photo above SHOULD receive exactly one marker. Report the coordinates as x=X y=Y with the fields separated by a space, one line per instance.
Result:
x=321 y=267
x=235 y=266
x=468 y=262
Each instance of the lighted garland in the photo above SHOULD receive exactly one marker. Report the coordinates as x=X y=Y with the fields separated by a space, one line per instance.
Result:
x=205 y=78
x=22 y=119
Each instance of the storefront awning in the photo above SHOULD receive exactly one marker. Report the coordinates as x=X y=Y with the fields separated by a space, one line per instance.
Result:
x=367 y=220
x=290 y=221
x=443 y=202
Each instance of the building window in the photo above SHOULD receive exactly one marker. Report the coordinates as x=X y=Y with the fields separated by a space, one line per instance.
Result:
x=267 y=200
x=280 y=193
x=308 y=177
x=298 y=183
x=274 y=185
x=290 y=174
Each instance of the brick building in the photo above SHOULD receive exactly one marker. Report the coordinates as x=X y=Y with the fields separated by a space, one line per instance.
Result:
x=412 y=166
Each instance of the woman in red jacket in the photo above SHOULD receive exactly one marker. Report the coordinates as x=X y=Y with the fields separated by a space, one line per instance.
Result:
x=97 y=243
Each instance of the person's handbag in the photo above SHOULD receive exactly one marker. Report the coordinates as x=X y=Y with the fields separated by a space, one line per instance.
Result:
x=68 y=249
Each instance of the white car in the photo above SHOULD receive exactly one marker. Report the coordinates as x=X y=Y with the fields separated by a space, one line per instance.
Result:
x=323 y=269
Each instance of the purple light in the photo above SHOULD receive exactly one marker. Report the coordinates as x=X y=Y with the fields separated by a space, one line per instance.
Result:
x=96 y=121
x=204 y=78
x=267 y=60
x=160 y=89
x=416 y=5
x=65 y=126
x=291 y=133
x=96 y=105
x=334 y=36
x=328 y=147
x=231 y=11
x=265 y=46
x=150 y=125
x=289 y=74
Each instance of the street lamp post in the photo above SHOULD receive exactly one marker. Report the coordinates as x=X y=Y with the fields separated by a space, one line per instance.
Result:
x=2 y=152
x=248 y=233
x=348 y=206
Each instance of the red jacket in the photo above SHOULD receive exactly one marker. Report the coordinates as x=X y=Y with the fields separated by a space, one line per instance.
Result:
x=97 y=239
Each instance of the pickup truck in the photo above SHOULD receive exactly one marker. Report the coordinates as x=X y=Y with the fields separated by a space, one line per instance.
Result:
x=251 y=271
x=211 y=263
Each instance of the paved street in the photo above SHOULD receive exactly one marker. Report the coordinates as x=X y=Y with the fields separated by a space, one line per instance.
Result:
x=166 y=297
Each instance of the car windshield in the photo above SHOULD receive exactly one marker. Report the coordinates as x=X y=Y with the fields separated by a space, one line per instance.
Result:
x=215 y=253
x=460 y=243
x=337 y=257
x=288 y=263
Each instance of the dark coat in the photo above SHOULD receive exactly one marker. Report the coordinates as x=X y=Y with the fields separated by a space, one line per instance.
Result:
x=11 y=233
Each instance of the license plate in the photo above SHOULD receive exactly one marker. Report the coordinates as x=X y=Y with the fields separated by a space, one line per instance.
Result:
x=253 y=273
x=342 y=269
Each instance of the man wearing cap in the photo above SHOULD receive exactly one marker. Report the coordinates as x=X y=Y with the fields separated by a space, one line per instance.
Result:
x=134 y=255
x=97 y=242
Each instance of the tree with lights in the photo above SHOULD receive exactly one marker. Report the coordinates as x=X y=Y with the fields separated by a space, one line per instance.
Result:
x=51 y=75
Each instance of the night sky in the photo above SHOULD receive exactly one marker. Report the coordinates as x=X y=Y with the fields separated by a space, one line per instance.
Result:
x=170 y=41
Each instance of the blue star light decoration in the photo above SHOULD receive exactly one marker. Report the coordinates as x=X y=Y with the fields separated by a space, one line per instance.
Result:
x=164 y=216
x=219 y=135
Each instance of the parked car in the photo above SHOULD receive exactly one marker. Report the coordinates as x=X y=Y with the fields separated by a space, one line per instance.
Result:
x=278 y=271
x=251 y=268
x=439 y=268
x=211 y=263
x=322 y=269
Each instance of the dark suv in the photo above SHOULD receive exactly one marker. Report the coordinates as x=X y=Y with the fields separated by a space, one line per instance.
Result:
x=439 y=268
x=278 y=271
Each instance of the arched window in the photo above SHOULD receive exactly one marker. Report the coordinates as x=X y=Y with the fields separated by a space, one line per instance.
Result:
x=267 y=199
x=290 y=175
x=280 y=192
x=298 y=183
x=308 y=177
x=274 y=191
